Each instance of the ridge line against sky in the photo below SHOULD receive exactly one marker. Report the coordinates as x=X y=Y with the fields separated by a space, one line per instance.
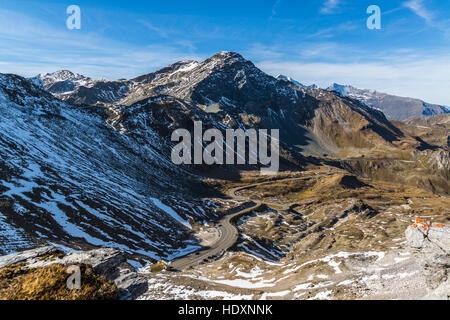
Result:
x=320 y=42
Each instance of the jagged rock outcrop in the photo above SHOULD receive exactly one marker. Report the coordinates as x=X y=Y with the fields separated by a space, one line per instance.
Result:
x=440 y=160
x=433 y=244
x=108 y=262
x=428 y=236
x=24 y=256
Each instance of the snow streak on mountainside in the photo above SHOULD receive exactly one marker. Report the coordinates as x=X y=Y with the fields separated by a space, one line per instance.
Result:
x=68 y=178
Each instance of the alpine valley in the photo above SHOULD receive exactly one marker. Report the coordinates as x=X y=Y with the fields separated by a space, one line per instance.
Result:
x=86 y=173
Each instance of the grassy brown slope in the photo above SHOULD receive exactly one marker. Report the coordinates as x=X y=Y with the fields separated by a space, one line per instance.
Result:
x=341 y=212
x=434 y=130
x=49 y=283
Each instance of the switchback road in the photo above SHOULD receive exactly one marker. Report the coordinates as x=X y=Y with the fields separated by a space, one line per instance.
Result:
x=227 y=231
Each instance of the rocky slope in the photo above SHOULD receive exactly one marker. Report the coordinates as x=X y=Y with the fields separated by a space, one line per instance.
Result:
x=432 y=242
x=112 y=264
x=417 y=268
x=68 y=178
x=434 y=130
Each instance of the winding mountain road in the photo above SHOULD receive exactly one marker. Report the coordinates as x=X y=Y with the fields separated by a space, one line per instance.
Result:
x=228 y=232
x=228 y=237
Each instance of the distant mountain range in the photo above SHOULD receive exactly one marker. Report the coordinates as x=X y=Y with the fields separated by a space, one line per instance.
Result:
x=394 y=107
x=76 y=88
x=295 y=82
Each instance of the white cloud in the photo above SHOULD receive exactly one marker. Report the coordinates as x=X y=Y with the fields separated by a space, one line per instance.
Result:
x=275 y=9
x=259 y=51
x=33 y=46
x=430 y=17
x=329 y=6
x=418 y=7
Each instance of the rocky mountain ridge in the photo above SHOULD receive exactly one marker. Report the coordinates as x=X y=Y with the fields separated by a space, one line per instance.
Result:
x=243 y=96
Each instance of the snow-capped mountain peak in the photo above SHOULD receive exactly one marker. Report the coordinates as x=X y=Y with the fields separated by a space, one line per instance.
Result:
x=62 y=81
x=350 y=91
x=226 y=75
x=226 y=55
x=61 y=75
x=296 y=83
x=289 y=79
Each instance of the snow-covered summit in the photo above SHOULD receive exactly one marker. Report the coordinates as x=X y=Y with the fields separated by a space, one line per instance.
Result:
x=62 y=81
x=289 y=79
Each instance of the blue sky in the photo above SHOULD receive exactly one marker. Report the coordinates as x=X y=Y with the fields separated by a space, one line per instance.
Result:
x=313 y=41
